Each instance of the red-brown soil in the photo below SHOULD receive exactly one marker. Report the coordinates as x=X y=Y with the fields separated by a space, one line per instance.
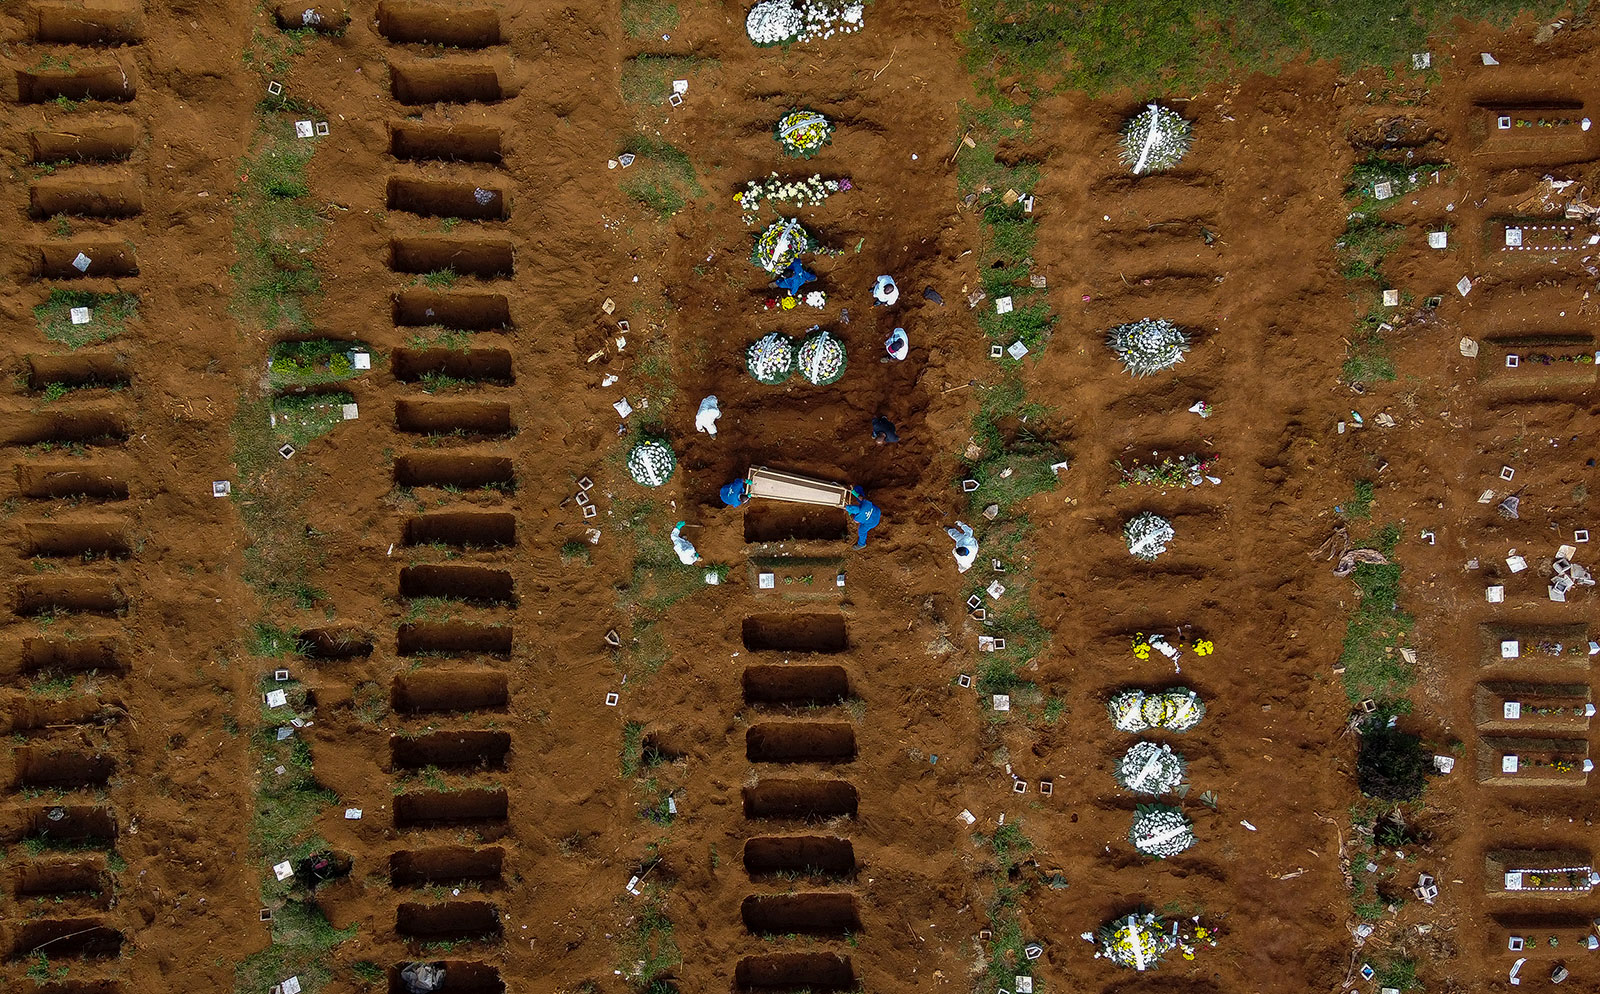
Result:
x=111 y=520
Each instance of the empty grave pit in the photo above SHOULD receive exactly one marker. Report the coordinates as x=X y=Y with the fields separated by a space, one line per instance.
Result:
x=472 y=418
x=454 y=920
x=807 y=855
x=795 y=632
x=816 y=913
x=72 y=938
x=88 y=143
x=76 y=539
x=43 y=714
x=797 y=685
x=450 y=750
x=462 y=529
x=89 y=24
x=454 y=638
x=435 y=691
x=56 y=261
x=485 y=258
x=449 y=808
x=800 y=800
x=407 y=22
x=113 y=199
x=61 y=880
x=445 y=865
x=80 y=987
x=321 y=18
x=78 y=369
x=79 y=824
x=422 y=83
x=95 y=654
x=334 y=642
x=445 y=143
x=445 y=198
x=110 y=83
x=458 y=311
x=87 y=595
x=63 y=427
x=64 y=769
x=460 y=977
x=477 y=365
x=820 y=972
x=800 y=742
x=45 y=482
x=782 y=521
x=473 y=584
x=439 y=469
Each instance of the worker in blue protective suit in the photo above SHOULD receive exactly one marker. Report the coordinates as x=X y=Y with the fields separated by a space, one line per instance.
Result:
x=864 y=513
x=735 y=493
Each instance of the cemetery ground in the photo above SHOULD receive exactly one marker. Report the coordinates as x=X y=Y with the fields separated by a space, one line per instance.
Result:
x=774 y=795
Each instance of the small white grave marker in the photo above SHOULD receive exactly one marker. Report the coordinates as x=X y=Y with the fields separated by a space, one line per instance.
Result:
x=277 y=698
x=1017 y=350
x=1391 y=298
x=275 y=88
x=1464 y=285
x=680 y=86
x=1508 y=764
x=1510 y=649
x=291 y=986
x=1512 y=710
x=79 y=315
x=1024 y=985
x=623 y=408
x=1506 y=472
x=352 y=814
x=1438 y=239
x=283 y=870
x=1495 y=594
x=675 y=99
x=995 y=589
x=1383 y=189
x=1444 y=764
x=1422 y=60
x=322 y=129
x=1002 y=305
x=766 y=581
x=963 y=681
x=1516 y=564
x=1002 y=702
x=350 y=411
x=361 y=360
x=967 y=816
x=304 y=129
x=626 y=159
x=611 y=700
x=1488 y=59
x=1513 y=237
x=1512 y=361
x=81 y=262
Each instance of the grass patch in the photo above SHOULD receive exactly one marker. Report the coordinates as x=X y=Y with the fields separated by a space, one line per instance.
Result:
x=276 y=225
x=1402 y=177
x=646 y=18
x=1367 y=360
x=302 y=945
x=646 y=949
x=1377 y=629
x=300 y=418
x=313 y=363
x=647 y=79
x=1109 y=45
x=1360 y=506
x=662 y=178
x=109 y=314
x=1366 y=242
x=270 y=494
x=632 y=744
x=1016 y=455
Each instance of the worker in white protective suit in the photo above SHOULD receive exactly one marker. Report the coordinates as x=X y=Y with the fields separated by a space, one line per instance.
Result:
x=681 y=546
x=706 y=418
x=966 y=551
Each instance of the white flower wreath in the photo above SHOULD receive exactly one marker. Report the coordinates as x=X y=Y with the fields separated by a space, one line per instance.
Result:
x=1160 y=831
x=1150 y=768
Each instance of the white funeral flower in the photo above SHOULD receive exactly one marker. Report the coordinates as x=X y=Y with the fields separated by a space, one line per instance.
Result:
x=1147 y=535
x=773 y=22
x=1126 y=708
x=1176 y=710
x=821 y=358
x=651 y=462
x=1150 y=768
x=1161 y=831
x=1148 y=345
x=1155 y=139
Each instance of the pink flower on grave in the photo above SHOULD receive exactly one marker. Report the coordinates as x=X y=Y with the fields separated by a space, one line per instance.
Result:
x=845 y=184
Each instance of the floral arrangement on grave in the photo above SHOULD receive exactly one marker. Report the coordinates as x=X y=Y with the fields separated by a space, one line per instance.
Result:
x=1160 y=831
x=808 y=192
x=1147 y=535
x=781 y=243
x=802 y=133
x=1148 y=345
x=1137 y=941
x=1173 y=471
x=1546 y=358
x=1143 y=644
x=1176 y=710
x=1155 y=139
x=778 y=22
x=1561 y=878
x=1151 y=768
x=771 y=358
x=821 y=358
x=651 y=462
